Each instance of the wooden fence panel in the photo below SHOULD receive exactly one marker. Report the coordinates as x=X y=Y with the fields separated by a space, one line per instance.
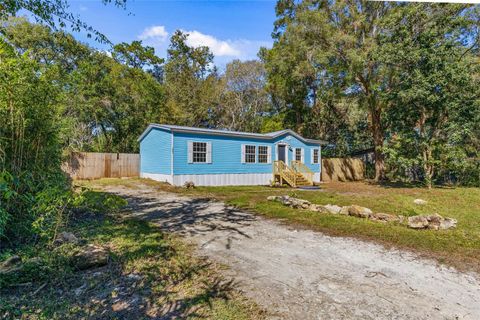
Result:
x=343 y=169
x=93 y=165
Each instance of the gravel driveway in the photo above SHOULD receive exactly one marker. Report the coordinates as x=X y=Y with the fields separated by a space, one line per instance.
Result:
x=301 y=274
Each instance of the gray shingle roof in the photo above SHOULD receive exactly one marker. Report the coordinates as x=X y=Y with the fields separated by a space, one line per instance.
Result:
x=267 y=136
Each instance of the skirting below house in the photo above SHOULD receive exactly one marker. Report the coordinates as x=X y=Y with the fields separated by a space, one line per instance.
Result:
x=157 y=177
x=230 y=179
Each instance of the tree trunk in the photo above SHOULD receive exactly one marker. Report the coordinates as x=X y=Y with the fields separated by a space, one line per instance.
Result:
x=377 y=132
x=428 y=166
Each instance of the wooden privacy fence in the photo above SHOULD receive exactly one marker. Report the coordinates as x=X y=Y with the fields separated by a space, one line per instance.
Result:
x=93 y=165
x=343 y=169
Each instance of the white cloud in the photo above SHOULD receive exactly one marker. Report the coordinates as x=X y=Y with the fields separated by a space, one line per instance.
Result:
x=219 y=48
x=223 y=50
x=155 y=33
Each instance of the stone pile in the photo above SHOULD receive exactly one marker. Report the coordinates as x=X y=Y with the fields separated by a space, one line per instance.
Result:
x=434 y=222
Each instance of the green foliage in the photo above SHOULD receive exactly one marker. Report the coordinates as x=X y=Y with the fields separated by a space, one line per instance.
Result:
x=97 y=202
x=54 y=13
x=190 y=82
x=401 y=78
x=31 y=183
x=244 y=100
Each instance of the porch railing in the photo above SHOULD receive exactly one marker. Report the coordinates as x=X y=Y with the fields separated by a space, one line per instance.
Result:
x=285 y=172
x=300 y=167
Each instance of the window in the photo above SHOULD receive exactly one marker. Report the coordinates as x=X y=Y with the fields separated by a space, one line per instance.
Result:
x=199 y=152
x=250 y=154
x=298 y=154
x=262 y=154
x=315 y=155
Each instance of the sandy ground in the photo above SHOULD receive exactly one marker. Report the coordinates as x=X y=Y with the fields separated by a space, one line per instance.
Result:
x=301 y=274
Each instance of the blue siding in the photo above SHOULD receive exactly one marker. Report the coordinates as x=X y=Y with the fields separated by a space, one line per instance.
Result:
x=293 y=143
x=155 y=152
x=227 y=153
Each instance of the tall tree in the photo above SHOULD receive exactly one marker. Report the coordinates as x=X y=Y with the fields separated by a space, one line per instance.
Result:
x=331 y=46
x=190 y=81
x=244 y=100
x=432 y=48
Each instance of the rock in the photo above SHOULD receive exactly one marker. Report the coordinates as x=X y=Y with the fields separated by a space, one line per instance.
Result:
x=189 y=184
x=334 y=209
x=434 y=221
x=272 y=198
x=344 y=210
x=90 y=256
x=11 y=265
x=383 y=217
x=448 y=223
x=66 y=237
x=360 y=212
x=420 y=202
x=417 y=222
x=317 y=208
x=298 y=203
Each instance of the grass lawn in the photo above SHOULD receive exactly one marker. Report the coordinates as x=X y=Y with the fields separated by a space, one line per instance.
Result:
x=149 y=275
x=458 y=247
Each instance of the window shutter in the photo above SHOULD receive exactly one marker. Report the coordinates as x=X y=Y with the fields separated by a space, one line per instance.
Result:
x=209 y=152
x=312 y=151
x=190 y=152
x=243 y=153
x=302 y=157
x=269 y=154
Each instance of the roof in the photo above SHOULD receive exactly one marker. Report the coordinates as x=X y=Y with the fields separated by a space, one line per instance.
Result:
x=264 y=136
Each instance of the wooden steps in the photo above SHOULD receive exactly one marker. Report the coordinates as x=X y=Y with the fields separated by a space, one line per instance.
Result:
x=298 y=175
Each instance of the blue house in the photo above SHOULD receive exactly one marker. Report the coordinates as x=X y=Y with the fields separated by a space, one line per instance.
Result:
x=177 y=154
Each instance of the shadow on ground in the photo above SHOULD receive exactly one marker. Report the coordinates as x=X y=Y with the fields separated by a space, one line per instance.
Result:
x=187 y=216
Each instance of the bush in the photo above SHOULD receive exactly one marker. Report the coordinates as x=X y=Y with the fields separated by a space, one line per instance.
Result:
x=33 y=189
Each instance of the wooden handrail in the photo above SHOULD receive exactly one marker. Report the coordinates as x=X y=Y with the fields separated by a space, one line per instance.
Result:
x=281 y=169
x=301 y=168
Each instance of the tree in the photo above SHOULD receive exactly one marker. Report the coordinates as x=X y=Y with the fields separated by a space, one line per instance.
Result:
x=435 y=97
x=54 y=14
x=135 y=55
x=244 y=99
x=107 y=104
x=330 y=46
x=191 y=82
x=30 y=146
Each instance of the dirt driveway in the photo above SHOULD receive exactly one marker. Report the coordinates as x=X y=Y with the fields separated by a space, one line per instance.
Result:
x=301 y=274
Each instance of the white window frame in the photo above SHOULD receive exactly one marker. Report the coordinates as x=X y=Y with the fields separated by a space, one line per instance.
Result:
x=301 y=155
x=266 y=154
x=245 y=154
x=313 y=156
x=191 y=152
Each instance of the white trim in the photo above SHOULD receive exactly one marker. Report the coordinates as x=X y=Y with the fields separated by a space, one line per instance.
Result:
x=316 y=177
x=209 y=152
x=190 y=151
x=171 y=155
x=157 y=177
x=227 y=179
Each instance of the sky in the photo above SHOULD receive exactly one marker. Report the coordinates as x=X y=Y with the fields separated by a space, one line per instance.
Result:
x=232 y=29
